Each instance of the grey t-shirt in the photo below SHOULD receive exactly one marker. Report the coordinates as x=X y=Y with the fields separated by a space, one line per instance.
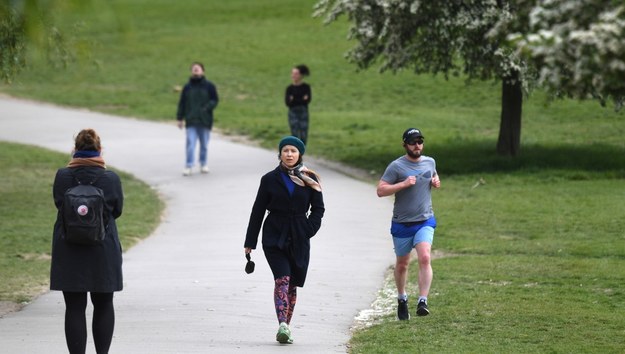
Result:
x=412 y=204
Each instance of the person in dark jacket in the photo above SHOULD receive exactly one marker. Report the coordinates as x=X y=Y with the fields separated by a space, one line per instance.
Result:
x=96 y=269
x=292 y=195
x=195 y=108
x=297 y=97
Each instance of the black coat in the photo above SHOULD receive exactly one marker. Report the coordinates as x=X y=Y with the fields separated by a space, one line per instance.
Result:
x=288 y=225
x=88 y=268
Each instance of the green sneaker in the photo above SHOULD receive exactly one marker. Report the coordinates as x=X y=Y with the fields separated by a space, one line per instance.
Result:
x=284 y=334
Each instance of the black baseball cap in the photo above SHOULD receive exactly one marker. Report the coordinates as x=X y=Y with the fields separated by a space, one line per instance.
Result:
x=412 y=134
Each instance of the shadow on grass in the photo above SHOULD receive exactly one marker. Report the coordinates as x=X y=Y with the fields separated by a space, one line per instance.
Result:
x=569 y=161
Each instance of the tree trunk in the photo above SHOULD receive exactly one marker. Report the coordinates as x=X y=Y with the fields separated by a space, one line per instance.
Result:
x=509 y=142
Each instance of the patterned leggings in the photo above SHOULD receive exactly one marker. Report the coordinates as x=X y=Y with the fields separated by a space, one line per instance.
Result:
x=298 y=122
x=285 y=297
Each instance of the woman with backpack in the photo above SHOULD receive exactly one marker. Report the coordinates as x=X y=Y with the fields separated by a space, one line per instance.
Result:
x=81 y=262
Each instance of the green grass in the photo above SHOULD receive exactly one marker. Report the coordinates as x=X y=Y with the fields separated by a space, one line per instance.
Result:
x=534 y=263
x=129 y=65
x=28 y=214
x=536 y=249
x=512 y=304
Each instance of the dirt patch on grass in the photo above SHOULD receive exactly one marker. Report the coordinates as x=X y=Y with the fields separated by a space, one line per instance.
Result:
x=35 y=256
x=7 y=307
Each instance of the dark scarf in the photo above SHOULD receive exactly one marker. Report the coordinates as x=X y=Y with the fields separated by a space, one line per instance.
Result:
x=196 y=79
x=86 y=158
x=301 y=176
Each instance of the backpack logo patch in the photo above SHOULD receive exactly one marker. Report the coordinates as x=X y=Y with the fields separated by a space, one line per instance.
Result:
x=82 y=210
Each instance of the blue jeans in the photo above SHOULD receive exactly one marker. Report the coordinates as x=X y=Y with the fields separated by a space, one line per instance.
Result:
x=194 y=134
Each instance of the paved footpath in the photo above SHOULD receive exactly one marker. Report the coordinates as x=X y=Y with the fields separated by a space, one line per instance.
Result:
x=185 y=290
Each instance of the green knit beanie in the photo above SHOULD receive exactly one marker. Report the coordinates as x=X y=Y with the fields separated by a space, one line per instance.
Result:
x=294 y=141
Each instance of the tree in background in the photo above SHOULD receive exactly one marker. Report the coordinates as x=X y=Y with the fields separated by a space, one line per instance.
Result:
x=572 y=48
x=11 y=43
x=29 y=23
x=577 y=47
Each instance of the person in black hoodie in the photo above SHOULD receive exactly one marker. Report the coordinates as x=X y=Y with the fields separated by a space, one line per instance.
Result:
x=292 y=195
x=195 y=111
x=297 y=97
x=78 y=269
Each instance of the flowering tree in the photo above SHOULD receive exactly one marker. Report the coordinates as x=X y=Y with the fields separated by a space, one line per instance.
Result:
x=572 y=48
x=577 y=47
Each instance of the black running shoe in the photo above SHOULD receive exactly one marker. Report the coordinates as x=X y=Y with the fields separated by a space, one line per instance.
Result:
x=422 y=308
x=402 y=310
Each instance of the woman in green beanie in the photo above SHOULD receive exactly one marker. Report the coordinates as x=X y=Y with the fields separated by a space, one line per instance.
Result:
x=292 y=195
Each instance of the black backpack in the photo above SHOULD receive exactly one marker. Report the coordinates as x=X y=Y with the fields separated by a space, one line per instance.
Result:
x=83 y=213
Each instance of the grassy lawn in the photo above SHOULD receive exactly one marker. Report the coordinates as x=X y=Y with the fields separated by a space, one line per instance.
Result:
x=535 y=244
x=532 y=265
x=28 y=216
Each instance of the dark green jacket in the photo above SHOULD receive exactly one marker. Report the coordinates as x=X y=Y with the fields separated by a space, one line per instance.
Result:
x=197 y=101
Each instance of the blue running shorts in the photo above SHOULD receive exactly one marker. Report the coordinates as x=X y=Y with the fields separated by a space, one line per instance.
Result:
x=407 y=236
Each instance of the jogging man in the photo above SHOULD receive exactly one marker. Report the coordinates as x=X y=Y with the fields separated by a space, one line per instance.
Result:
x=410 y=178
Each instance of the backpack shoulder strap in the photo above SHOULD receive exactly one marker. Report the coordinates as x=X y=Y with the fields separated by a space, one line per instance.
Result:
x=98 y=175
